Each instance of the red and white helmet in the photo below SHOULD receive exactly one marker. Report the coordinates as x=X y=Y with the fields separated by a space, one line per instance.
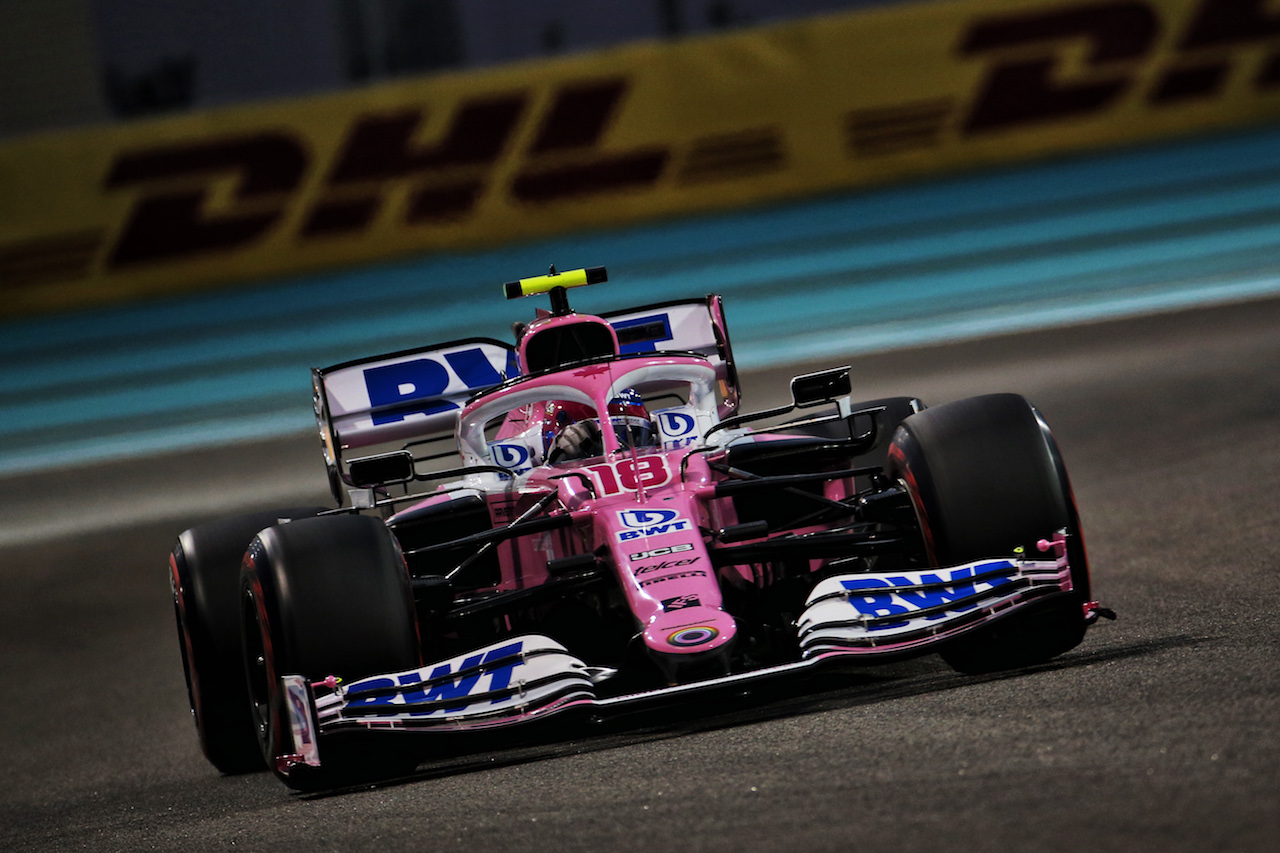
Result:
x=571 y=430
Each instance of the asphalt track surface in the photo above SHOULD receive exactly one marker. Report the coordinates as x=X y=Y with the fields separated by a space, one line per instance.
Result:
x=1160 y=732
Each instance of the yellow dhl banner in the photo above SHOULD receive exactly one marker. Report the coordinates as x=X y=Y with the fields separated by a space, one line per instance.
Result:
x=616 y=137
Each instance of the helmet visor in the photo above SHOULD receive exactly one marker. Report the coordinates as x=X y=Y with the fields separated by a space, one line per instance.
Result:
x=634 y=431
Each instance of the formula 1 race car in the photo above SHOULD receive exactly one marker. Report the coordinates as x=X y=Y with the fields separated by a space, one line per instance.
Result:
x=607 y=530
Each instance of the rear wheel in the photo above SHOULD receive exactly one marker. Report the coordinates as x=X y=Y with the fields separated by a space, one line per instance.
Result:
x=986 y=476
x=321 y=597
x=204 y=574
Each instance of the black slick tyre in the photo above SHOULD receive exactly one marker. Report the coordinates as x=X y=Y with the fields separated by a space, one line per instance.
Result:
x=985 y=476
x=320 y=597
x=204 y=575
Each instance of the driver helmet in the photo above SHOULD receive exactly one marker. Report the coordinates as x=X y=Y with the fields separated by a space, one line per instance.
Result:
x=573 y=432
x=630 y=420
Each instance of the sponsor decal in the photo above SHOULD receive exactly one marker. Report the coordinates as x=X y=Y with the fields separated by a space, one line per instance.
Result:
x=662 y=552
x=666 y=564
x=1036 y=74
x=942 y=590
x=588 y=372
x=515 y=457
x=301 y=722
x=381 y=153
x=502 y=511
x=695 y=636
x=301 y=713
x=417 y=386
x=183 y=202
x=681 y=602
x=1042 y=64
x=628 y=475
x=642 y=334
x=650 y=522
x=695 y=573
x=481 y=677
x=1067 y=64
x=678 y=429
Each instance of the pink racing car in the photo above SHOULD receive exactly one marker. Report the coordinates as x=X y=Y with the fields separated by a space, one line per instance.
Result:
x=604 y=528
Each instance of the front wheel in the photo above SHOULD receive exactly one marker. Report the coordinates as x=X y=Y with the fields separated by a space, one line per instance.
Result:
x=985 y=476
x=204 y=575
x=321 y=597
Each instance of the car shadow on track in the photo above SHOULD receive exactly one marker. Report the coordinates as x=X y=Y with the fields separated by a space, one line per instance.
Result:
x=831 y=690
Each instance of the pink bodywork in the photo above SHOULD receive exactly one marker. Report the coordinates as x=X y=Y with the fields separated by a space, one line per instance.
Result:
x=642 y=510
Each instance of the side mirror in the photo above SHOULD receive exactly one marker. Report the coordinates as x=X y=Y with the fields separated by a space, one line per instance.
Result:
x=394 y=467
x=825 y=386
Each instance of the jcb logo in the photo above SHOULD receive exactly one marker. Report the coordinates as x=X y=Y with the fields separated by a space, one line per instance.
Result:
x=1031 y=80
x=446 y=178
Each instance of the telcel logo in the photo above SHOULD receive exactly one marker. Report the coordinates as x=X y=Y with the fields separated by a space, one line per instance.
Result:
x=667 y=564
x=650 y=522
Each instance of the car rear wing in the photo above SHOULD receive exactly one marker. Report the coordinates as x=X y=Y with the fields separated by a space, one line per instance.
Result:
x=403 y=396
x=688 y=325
x=416 y=395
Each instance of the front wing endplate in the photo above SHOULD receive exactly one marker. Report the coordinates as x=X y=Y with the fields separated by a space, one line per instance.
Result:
x=517 y=679
x=896 y=612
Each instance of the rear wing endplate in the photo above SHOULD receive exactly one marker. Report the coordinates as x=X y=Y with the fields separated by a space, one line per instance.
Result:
x=403 y=396
x=690 y=325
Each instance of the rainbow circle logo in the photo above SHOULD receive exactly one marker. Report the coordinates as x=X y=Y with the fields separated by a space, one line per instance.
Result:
x=695 y=636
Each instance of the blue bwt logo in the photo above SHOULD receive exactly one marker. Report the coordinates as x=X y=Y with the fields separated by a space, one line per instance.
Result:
x=929 y=594
x=650 y=522
x=444 y=685
x=422 y=386
x=514 y=457
x=676 y=424
x=679 y=429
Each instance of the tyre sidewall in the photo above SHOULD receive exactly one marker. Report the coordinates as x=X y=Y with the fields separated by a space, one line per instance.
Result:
x=204 y=574
x=986 y=477
x=321 y=597
x=983 y=477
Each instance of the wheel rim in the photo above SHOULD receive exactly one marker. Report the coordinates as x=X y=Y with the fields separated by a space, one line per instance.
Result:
x=258 y=672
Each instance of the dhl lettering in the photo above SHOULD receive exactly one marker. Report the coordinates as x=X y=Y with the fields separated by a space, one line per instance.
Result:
x=380 y=149
x=575 y=125
x=438 y=170
x=1230 y=22
x=173 y=222
x=381 y=152
x=1026 y=83
x=1027 y=90
x=1223 y=24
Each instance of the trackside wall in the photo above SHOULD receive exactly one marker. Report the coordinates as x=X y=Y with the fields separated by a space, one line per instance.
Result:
x=651 y=130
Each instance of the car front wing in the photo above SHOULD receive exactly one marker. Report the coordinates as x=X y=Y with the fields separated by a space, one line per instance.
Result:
x=531 y=677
